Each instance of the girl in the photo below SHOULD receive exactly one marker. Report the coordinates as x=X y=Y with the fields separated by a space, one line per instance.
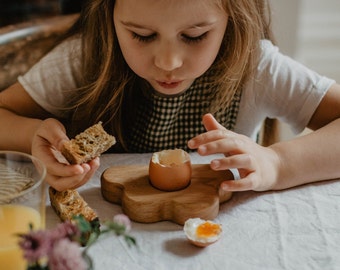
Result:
x=150 y=69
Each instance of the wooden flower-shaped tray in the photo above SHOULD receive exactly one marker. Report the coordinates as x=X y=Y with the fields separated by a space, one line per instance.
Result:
x=129 y=187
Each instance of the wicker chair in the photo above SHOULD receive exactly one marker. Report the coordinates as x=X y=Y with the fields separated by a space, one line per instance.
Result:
x=23 y=44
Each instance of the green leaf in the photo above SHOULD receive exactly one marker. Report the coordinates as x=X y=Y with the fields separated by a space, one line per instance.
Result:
x=83 y=225
x=88 y=260
x=131 y=241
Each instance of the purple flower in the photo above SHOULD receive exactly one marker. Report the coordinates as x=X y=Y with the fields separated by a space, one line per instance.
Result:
x=65 y=229
x=60 y=249
x=36 y=245
x=66 y=255
x=123 y=220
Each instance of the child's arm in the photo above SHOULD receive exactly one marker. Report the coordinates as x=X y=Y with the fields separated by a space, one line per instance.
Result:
x=315 y=156
x=22 y=129
x=19 y=119
x=304 y=159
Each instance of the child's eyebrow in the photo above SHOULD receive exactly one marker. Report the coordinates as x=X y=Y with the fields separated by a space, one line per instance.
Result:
x=191 y=26
x=131 y=24
x=202 y=24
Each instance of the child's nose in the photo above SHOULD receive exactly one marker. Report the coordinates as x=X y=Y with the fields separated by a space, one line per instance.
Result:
x=168 y=57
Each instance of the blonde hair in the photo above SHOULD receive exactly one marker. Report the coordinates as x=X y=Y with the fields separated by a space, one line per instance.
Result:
x=109 y=84
x=248 y=23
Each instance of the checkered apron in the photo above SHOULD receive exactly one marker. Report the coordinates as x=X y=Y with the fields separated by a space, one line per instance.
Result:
x=164 y=122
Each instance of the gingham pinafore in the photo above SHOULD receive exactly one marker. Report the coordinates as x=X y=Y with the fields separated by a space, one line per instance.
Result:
x=164 y=122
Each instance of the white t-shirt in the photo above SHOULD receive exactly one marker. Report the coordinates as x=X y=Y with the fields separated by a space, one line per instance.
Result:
x=50 y=81
x=281 y=88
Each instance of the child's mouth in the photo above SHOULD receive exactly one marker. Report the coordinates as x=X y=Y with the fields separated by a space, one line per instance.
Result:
x=169 y=85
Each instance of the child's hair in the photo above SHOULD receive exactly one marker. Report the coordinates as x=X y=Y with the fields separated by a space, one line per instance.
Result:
x=109 y=84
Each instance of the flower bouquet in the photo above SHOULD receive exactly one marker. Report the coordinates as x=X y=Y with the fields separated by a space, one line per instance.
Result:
x=65 y=247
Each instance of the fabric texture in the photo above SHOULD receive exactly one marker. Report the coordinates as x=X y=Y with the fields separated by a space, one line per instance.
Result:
x=294 y=229
x=169 y=122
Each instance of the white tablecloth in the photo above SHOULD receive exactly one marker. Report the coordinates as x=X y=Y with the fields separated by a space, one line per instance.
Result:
x=297 y=228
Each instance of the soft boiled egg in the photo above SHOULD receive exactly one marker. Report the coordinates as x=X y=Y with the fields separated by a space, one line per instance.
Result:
x=170 y=170
x=202 y=232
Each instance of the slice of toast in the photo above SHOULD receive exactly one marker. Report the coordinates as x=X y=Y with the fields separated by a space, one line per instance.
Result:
x=87 y=145
x=68 y=204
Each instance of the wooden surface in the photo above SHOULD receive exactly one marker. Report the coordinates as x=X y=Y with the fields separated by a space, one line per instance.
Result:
x=129 y=186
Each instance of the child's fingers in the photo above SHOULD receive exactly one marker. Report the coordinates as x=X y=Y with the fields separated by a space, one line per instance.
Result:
x=210 y=122
x=86 y=178
x=251 y=181
x=209 y=136
x=53 y=132
x=62 y=176
x=63 y=170
x=215 y=131
x=242 y=161
x=70 y=182
x=243 y=184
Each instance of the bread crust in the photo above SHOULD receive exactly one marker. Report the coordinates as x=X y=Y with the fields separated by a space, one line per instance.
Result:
x=87 y=145
x=69 y=203
x=84 y=147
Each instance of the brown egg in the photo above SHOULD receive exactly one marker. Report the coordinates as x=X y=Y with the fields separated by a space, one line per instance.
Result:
x=170 y=170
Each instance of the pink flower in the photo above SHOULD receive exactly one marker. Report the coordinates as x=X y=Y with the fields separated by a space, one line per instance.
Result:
x=124 y=220
x=65 y=229
x=60 y=249
x=66 y=255
x=36 y=245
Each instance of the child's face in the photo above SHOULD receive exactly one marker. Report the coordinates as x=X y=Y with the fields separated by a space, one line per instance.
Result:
x=169 y=43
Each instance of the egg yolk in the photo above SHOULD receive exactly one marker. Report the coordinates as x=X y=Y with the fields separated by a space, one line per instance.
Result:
x=208 y=229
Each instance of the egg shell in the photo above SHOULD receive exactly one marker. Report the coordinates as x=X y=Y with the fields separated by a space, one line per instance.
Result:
x=200 y=244
x=170 y=170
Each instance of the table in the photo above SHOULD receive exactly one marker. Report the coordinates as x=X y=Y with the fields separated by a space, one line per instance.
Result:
x=298 y=228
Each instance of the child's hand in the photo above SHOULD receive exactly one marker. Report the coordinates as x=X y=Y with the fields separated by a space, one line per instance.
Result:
x=48 y=138
x=257 y=165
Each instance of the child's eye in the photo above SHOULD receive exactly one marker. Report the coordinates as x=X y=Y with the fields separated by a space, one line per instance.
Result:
x=143 y=38
x=190 y=40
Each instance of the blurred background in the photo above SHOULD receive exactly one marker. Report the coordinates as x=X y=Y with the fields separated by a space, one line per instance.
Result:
x=16 y=11
x=307 y=30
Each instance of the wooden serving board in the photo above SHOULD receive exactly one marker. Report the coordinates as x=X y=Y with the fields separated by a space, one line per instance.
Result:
x=129 y=186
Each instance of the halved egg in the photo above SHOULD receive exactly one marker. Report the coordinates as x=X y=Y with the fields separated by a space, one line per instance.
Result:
x=202 y=232
x=170 y=170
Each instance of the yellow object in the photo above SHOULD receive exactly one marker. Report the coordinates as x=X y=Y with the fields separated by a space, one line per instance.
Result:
x=15 y=219
x=208 y=229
